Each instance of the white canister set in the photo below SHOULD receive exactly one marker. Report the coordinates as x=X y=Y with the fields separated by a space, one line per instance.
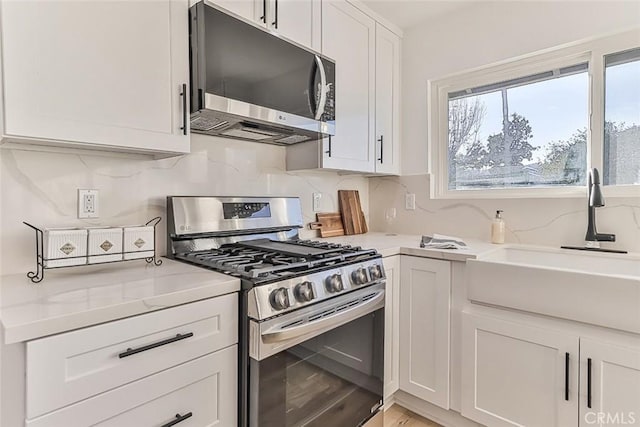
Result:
x=64 y=247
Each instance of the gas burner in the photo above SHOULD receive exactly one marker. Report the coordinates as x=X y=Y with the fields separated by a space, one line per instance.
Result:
x=262 y=260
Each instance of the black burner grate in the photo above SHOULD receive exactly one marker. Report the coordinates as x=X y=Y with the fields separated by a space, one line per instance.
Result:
x=262 y=261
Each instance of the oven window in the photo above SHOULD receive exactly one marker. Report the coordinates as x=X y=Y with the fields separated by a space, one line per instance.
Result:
x=335 y=379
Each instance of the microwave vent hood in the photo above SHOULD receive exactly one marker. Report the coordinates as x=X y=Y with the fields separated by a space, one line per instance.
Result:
x=250 y=84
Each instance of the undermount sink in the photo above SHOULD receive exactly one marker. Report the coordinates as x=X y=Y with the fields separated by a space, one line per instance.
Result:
x=591 y=287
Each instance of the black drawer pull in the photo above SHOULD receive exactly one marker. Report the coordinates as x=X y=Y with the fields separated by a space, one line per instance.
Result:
x=329 y=150
x=263 y=18
x=589 y=383
x=566 y=376
x=183 y=94
x=132 y=351
x=178 y=419
x=275 y=23
x=381 y=141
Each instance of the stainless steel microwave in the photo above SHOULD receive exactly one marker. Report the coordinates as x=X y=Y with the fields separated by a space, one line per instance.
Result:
x=248 y=83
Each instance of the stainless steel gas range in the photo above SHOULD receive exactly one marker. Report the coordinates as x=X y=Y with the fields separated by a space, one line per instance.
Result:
x=312 y=313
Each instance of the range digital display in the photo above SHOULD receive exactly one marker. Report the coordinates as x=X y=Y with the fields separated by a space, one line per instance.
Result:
x=246 y=210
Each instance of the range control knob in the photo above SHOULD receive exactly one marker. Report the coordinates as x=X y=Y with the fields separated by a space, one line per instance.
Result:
x=375 y=271
x=279 y=298
x=359 y=276
x=333 y=283
x=304 y=292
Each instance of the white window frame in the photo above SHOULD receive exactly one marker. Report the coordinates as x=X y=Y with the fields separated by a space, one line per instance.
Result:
x=591 y=51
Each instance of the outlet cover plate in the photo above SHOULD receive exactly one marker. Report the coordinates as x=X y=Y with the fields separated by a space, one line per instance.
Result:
x=316 y=201
x=410 y=202
x=88 y=204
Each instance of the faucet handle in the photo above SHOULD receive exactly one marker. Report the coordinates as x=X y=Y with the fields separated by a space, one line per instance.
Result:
x=604 y=237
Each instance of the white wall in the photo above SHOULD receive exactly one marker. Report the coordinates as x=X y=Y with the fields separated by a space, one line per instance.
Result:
x=482 y=34
x=486 y=33
x=40 y=188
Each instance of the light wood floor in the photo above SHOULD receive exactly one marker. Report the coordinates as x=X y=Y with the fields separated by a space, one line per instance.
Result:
x=397 y=416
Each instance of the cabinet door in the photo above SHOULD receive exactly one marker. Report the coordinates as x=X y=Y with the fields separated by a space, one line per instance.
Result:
x=297 y=20
x=205 y=387
x=515 y=375
x=391 y=326
x=68 y=367
x=615 y=384
x=251 y=10
x=425 y=297
x=387 y=101
x=97 y=72
x=348 y=37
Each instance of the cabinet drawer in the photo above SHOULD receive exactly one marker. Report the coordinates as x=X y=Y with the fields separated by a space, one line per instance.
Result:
x=206 y=388
x=65 y=368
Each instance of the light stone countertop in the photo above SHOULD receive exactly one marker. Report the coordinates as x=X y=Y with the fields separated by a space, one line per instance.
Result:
x=403 y=244
x=72 y=298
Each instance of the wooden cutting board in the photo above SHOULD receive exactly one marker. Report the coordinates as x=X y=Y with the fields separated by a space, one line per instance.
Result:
x=329 y=224
x=352 y=215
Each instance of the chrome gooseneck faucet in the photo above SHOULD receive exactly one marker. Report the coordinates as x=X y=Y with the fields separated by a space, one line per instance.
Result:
x=596 y=200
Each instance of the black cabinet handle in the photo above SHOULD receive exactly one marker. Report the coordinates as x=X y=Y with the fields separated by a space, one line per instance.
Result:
x=132 y=351
x=566 y=376
x=328 y=152
x=200 y=99
x=183 y=94
x=589 y=383
x=275 y=22
x=178 y=419
x=263 y=18
x=381 y=141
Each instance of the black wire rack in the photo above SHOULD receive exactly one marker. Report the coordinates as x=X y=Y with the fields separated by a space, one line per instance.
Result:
x=38 y=275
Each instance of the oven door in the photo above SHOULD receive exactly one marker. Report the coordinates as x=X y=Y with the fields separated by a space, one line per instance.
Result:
x=319 y=366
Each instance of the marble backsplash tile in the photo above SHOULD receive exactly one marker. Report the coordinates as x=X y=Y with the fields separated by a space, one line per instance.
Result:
x=547 y=222
x=41 y=188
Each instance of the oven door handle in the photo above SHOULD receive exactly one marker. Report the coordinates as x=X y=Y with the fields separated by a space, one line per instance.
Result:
x=279 y=334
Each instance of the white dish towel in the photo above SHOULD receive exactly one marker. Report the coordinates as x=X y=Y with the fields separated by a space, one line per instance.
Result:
x=439 y=241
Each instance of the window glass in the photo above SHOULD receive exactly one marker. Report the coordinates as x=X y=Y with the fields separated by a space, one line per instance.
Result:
x=525 y=132
x=622 y=118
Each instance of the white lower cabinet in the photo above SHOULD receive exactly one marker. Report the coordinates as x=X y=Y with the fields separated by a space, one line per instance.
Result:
x=519 y=374
x=391 y=326
x=199 y=393
x=514 y=374
x=177 y=364
x=425 y=298
x=609 y=384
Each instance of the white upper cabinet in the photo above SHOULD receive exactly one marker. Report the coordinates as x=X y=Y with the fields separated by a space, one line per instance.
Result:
x=367 y=134
x=297 y=20
x=348 y=37
x=102 y=74
x=251 y=10
x=387 y=114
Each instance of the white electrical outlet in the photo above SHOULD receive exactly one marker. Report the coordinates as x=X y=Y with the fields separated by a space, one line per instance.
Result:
x=410 y=202
x=88 y=204
x=316 y=201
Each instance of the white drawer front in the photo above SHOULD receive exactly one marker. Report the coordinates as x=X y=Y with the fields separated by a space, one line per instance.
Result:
x=65 y=368
x=205 y=387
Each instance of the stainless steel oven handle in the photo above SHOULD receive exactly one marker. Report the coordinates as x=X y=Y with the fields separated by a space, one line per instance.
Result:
x=278 y=334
